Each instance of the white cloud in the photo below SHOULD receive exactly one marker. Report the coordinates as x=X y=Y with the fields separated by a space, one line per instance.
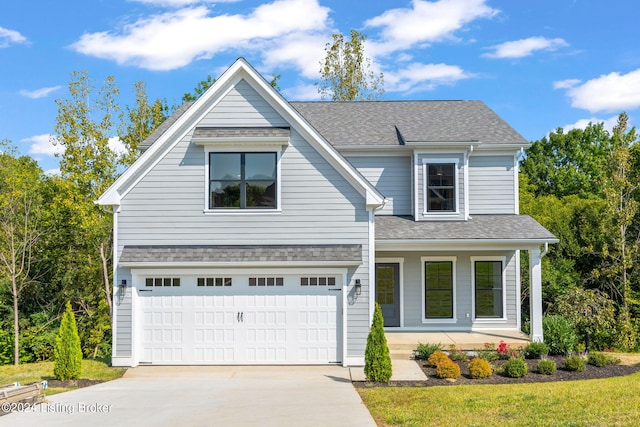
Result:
x=525 y=47
x=39 y=93
x=425 y=22
x=611 y=92
x=302 y=92
x=116 y=145
x=304 y=51
x=565 y=84
x=583 y=123
x=418 y=76
x=172 y=40
x=52 y=172
x=43 y=144
x=9 y=37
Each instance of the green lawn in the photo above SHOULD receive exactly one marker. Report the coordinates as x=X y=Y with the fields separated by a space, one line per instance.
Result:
x=603 y=402
x=31 y=372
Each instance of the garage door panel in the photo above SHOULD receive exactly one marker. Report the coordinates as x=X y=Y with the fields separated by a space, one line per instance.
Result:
x=241 y=324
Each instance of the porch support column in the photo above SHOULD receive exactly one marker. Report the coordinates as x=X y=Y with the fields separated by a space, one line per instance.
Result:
x=535 y=294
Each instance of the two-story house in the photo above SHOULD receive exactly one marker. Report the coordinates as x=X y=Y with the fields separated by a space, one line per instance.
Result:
x=253 y=230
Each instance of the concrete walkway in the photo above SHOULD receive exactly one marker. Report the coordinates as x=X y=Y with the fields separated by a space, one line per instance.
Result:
x=208 y=396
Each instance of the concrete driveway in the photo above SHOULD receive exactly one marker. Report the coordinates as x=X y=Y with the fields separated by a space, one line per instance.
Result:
x=207 y=396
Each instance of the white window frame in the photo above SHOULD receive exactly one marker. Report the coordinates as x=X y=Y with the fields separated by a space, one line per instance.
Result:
x=453 y=260
x=239 y=148
x=502 y=319
x=441 y=214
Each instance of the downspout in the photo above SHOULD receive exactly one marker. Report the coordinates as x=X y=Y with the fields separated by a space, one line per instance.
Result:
x=546 y=249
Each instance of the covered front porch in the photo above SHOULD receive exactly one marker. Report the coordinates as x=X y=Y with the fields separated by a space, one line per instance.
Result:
x=458 y=283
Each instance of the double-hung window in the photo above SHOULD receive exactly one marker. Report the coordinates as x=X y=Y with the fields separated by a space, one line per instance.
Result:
x=488 y=289
x=441 y=187
x=243 y=180
x=439 y=288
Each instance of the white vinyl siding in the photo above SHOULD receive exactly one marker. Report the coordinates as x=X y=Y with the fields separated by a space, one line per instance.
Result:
x=392 y=177
x=413 y=270
x=317 y=206
x=243 y=106
x=492 y=185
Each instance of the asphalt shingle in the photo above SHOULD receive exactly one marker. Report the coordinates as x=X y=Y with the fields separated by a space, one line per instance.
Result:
x=480 y=227
x=236 y=132
x=240 y=253
x=397 y=122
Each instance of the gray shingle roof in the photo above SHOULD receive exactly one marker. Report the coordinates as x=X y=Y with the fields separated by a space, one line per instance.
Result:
x=241 y=253
x=164 y=126
x=235 y=132
x=396 y=122
x=480 y=227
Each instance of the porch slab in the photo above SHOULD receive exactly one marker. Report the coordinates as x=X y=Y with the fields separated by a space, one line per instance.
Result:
x=401 y=342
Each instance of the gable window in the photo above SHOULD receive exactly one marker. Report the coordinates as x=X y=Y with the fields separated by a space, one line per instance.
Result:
x=243 y=180
x=441 y=187
x=439 y=289
x=488 y=289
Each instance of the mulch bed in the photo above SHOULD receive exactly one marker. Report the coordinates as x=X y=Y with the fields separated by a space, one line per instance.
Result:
x=590 y=372
x=79 y=383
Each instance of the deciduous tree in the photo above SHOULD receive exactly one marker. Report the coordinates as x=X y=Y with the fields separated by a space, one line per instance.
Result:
x=20 y=227
x=346 y=74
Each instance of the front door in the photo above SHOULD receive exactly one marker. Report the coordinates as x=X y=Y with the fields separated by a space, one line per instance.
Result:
x=388 y=292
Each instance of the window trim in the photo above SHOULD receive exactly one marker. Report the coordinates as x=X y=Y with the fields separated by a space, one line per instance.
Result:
x=262 y=148
x=456 y=170
x=502 y=319
x=453 y=260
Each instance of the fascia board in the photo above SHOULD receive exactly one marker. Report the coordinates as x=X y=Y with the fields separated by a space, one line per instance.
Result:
x=462 y=244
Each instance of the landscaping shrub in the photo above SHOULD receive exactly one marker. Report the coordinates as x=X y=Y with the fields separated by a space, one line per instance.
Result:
x=559 y=334
x=424 y=351
x=489 y=353
x=457 y=355
x=479 y=368
x=377 y=362
x=546 y=367
x=574 y=363
x=67 y=351
x=515 y=368
x=601 y=359
x=448 y=369
x=437 y=357
x=535 y=350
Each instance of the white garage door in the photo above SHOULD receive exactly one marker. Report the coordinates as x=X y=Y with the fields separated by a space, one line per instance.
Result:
x=241 y=320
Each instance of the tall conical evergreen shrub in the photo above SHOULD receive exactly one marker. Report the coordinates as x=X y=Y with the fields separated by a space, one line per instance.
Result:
x=67 y=351
x=377 y=362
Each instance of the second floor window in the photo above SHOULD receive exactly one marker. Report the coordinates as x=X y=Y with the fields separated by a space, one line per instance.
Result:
x=242 y=180
x=441 y=187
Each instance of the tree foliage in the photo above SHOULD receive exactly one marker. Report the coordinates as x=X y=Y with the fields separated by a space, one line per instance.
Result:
x=346 y=74
x=67 y=352
x=377 y=361
x=20 y=228
x=584 y=187
x=137 y=123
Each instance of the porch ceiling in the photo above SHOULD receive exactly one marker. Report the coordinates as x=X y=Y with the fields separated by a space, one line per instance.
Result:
x=481 y=229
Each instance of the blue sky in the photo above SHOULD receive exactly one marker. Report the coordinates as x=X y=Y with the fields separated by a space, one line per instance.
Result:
x=539 y=64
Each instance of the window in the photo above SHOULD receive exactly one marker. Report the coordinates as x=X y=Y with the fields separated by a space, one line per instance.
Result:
x=242 y=180
x=266 y=281
x=215 y=281
x=162 y=281
x=441 y=187
x=488 y=289
x=438 y=289
x=317 y=281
